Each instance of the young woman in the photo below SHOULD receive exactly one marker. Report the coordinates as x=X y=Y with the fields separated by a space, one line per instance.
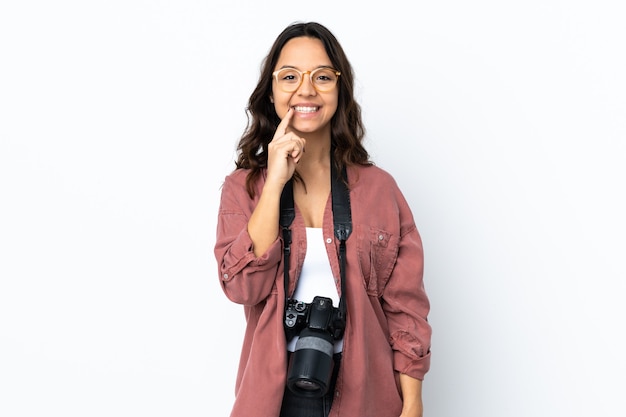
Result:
x=370 y=353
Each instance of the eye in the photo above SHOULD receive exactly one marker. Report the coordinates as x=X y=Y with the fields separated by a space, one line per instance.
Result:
x=288 y=76
x=325 y=76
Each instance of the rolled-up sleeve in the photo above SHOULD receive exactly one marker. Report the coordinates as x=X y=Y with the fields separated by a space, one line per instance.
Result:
x=245 y=278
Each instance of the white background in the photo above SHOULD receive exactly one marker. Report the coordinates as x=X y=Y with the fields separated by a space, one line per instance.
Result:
x=502 y=121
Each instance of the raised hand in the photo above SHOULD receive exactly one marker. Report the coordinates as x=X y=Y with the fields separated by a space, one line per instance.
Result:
x=284 y=152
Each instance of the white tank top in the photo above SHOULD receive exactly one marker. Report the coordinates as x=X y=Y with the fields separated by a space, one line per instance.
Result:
x=316 y=277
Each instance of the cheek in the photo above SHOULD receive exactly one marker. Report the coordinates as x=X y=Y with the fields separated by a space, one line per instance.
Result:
x=332 y=108
x=332 y=103
x=280 y=109
x=281 y=103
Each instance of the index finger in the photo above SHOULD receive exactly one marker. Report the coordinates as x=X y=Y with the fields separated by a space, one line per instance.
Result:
x=282 y=126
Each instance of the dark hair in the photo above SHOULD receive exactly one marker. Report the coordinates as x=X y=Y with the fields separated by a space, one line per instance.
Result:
x=347 y=129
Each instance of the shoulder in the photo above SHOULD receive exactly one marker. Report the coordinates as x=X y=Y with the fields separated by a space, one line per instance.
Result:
x=238 y=176
x=374 y=185
x=234 y=185
x=370 y=176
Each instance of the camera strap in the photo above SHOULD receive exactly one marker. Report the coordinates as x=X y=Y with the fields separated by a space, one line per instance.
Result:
x=342 y=221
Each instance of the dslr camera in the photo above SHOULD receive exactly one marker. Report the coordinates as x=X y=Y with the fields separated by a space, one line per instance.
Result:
x=319 y=325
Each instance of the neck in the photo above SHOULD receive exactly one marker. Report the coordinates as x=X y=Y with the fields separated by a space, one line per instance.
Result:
x=316 y=157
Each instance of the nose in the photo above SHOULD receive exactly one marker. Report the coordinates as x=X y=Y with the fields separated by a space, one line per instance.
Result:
x=306 y=86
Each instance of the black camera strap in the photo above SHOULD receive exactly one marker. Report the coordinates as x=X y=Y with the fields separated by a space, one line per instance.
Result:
x=342 y=221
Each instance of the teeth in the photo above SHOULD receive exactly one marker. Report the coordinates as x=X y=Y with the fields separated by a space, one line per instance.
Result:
x=305 y=109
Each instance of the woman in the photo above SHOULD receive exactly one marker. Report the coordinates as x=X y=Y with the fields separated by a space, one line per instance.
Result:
x=305 y=125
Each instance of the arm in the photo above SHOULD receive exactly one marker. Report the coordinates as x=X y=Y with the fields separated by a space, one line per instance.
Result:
x=284 y=152
x=245 y=278
x=247 y=248
x=406 y=308
x=263 y=224
x=411 y=396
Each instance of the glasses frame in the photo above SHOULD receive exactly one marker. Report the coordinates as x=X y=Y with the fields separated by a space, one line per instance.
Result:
x=302 y=74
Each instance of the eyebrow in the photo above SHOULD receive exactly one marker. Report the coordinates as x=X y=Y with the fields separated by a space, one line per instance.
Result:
x=318 y=67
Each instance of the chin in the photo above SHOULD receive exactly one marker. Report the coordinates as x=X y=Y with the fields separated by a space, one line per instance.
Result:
x=309 y=128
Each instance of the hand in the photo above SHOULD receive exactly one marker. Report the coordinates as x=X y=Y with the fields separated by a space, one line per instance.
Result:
x=284 y=152
x=414 y=411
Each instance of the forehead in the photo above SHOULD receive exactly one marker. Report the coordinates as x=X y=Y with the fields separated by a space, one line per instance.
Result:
x=304 y=53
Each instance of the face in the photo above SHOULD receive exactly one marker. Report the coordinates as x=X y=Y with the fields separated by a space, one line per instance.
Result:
x=313 y=109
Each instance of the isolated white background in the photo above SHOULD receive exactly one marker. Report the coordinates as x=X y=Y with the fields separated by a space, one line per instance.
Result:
x=502 y=121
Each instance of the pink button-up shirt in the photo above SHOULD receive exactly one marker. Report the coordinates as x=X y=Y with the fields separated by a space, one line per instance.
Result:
x=387 y=331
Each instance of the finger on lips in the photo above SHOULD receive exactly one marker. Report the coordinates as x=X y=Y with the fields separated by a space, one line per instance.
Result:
x=281 y=130
x=294 y=143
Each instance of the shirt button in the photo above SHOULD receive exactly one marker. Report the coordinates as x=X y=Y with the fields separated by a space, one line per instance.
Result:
x=381 y=237
x=225 y=276
x=337 y=394
x=329 y=240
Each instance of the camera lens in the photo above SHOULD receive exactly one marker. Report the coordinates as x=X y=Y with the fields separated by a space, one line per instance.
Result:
x=307 y=385
x=311 y=364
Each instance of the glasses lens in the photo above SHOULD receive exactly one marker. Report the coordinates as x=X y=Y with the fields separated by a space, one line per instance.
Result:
x=324 y=79
x=288 y=79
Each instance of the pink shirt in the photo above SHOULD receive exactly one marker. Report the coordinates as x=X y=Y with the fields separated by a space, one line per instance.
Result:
x=387 y=331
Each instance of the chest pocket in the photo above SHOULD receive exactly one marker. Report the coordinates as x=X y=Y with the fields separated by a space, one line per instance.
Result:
x=377 y=252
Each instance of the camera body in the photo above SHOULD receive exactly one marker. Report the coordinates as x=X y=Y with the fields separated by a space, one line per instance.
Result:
x=318 y=315
x=318 y=325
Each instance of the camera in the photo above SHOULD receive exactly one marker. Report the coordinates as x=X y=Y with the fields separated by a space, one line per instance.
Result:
x=319 y=325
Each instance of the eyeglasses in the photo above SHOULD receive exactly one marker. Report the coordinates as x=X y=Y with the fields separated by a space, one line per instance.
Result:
x=322 y=79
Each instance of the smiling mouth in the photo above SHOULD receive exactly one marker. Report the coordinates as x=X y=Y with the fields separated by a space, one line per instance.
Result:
x=302 y=109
